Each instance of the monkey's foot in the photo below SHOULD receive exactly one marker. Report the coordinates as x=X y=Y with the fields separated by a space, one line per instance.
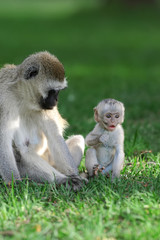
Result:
x=97 y=169
x=107 y=175
x=84 y=175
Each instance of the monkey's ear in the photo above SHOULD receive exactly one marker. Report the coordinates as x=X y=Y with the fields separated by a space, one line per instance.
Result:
x=32 y=71
x=96 y=114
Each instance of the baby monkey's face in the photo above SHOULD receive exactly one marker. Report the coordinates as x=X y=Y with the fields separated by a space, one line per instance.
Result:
x=109 y=113
x=111 y=120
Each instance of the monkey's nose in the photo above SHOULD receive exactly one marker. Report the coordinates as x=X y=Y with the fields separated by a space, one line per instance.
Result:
x=56 y=95
x=51 y=100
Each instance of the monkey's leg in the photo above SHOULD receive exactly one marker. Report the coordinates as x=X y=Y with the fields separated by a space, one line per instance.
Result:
x=39 y=170
x=91 y=161
x=76 y=147
x=118 y=162
x=108 y=169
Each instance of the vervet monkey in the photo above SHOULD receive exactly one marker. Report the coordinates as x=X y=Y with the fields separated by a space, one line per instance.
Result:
x=30 y=124
x=106 y=140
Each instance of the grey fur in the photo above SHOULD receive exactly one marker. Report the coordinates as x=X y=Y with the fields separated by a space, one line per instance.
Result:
x=106 y=145
x=27 y=131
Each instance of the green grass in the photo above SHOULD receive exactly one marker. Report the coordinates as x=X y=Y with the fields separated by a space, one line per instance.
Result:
x=107 y=52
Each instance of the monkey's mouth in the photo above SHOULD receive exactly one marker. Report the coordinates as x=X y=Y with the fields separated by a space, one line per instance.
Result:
x=50 y=101
x=111 y=127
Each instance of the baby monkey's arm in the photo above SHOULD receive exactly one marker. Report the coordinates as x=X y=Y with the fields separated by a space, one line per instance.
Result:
x=104 y=138
x=92 y=138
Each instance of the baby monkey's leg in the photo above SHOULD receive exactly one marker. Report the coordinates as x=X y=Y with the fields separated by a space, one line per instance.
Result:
x=91 y=161
x=76 y=147
x=107 y=169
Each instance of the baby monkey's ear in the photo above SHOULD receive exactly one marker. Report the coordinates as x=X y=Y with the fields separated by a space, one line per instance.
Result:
x=96 y=114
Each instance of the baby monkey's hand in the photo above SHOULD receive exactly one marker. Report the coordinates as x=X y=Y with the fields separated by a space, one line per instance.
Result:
x=97 y=169
x=104 y=138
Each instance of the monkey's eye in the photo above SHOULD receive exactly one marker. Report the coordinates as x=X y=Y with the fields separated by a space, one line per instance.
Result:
x=108 y=115
x=117 y=116
x=31 y=72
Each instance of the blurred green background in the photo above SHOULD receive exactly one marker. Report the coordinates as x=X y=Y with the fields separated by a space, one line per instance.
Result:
x=110 y=49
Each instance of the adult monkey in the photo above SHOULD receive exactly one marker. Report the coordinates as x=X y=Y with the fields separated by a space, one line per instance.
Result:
x=31 y=126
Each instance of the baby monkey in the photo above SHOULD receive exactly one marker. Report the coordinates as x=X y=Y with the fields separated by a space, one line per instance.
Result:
x=106 y=140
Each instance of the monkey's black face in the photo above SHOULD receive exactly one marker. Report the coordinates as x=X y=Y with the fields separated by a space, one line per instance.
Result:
x=50 y=101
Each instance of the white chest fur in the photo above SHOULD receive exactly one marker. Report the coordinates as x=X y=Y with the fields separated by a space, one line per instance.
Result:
x=113 y=138
x=26 y=136
x=105 y=155
x=106 y=150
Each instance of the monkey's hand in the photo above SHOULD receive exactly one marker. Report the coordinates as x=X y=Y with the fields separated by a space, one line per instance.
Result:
x=93 y=142
x=75 y=182
x=97 y=169
x=104 y=138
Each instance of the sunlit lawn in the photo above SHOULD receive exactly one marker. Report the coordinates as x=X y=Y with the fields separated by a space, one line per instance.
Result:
x=107 y=52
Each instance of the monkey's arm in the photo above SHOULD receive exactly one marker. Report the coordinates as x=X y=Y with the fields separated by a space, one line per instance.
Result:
x=58 y=149
x=104 y=138
x=8 y=166
x=92 y=138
